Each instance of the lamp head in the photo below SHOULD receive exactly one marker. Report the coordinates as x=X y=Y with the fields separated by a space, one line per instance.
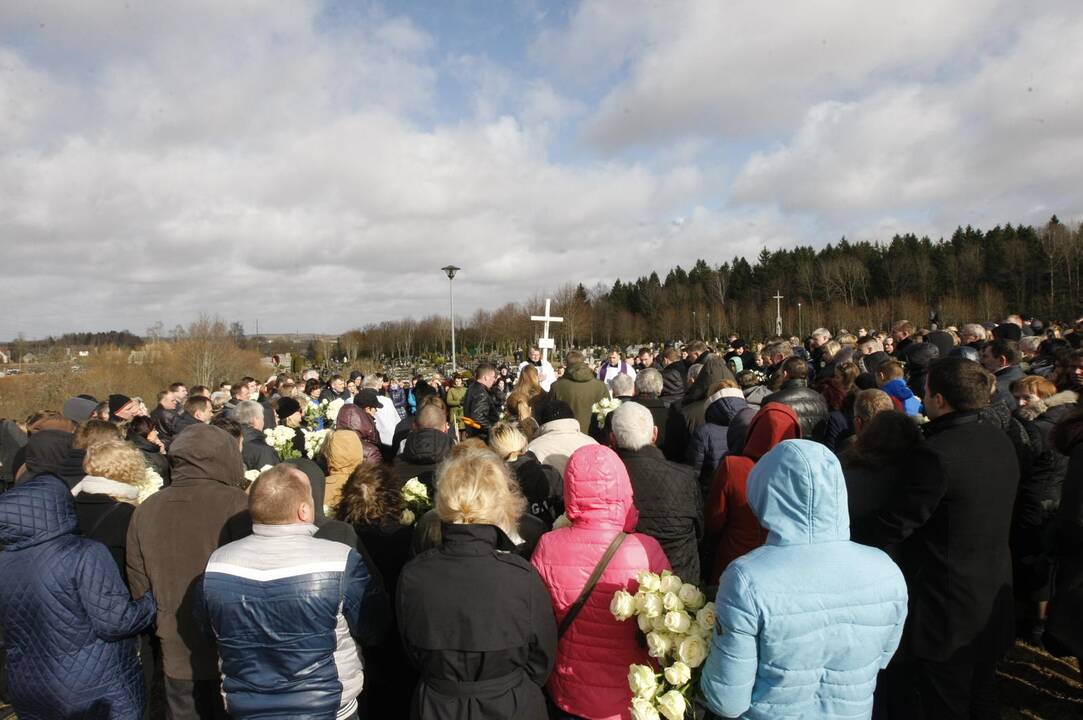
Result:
x=450 y=270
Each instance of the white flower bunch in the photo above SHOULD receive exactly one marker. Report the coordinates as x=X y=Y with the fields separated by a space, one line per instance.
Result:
x=331 y=411
x=280 y=438
x=252 y=475
x=603 y=407
x=152 y=483
x=314 y=440
x=677 y=621
x=416 y=497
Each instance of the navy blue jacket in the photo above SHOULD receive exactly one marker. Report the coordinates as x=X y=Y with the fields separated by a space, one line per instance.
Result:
x=67 y=617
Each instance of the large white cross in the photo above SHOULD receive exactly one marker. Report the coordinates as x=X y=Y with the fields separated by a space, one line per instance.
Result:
x=545 y=343
x=778 y=312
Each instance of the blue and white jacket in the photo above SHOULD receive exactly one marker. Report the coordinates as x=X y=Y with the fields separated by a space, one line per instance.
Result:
x=290 y=611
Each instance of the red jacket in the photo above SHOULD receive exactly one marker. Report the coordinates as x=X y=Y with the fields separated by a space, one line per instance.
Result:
x=590 y=678
x=731 y=524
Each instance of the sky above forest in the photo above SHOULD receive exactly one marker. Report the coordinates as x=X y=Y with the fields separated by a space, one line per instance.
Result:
x=312 y=165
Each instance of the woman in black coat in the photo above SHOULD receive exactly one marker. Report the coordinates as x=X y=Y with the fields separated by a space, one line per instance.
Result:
x=1064 y=627
x=475 y=618
x=144 y=435
x=539 y=483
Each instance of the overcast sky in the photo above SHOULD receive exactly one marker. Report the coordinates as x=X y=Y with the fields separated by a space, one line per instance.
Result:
x=312 y=165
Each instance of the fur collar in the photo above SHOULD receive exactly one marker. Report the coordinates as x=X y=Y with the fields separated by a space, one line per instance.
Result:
x=92 y=484
x=1036 y=409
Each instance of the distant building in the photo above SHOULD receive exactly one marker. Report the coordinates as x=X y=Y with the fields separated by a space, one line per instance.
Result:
x=29 y=358
x=5 y=356
x=137 y=357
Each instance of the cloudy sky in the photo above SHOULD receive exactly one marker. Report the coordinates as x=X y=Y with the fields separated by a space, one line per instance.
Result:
x=313 y=164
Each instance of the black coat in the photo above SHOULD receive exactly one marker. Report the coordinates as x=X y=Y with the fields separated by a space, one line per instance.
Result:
x=1064 y=628
x=478 y=625
x=688 y=414
x=659 y=413
x=670 y=506
x=422 y=453
x=809 y=405
x=953 y=528
x=106 y=520
x=673 y=382
x=542 y=487
x=255 y=451
x=480 y=406
x=155 y=458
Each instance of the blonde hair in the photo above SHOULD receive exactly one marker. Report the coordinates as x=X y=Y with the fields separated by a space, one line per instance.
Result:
x=506 y=440
x=475 y=488
x=116 y=460
x=93 y=432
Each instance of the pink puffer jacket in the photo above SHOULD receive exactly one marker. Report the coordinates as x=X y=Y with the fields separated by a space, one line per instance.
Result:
x=591 y=674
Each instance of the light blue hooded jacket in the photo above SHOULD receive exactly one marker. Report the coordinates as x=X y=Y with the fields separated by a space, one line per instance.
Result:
x=807 y=621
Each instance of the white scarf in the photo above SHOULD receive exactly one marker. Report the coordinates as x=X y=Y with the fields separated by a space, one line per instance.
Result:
x=104 y=486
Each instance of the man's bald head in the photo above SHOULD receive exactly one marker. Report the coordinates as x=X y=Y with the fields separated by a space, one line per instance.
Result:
x=281 y=496
x=432 y=417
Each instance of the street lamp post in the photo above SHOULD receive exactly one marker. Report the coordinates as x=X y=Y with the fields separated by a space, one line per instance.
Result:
x=800 y=325
x=450 y=270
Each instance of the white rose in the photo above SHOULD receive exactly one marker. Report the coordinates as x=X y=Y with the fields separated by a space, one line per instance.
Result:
x=692 y=651
x=659 y=644
x=678 y=674
x=623 y=606
x=658 y=624
x=673 y=705
x=648 y=581
x=407 y=518
x=642 y=681
x=706 y=617
x=670 y=601
x=645 y=623
x=669 y=583
x=678 y=622
x=643 y=710
x=691 y=596
x=649 y=604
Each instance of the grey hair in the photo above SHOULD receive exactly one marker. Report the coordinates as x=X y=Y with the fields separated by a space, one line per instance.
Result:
x=649 y=381
x=622 y=385
x=778 y=347
x=247 y=412
x=372 y=382
x=821 y=333
x=974 y=330
x=693 y=372
x=632 y=426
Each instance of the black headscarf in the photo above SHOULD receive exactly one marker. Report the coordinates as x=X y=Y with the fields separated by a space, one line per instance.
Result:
x=45 y=452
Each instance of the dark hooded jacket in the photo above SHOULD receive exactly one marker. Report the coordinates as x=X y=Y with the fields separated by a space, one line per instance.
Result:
x=1064 y=628
x=732 y=527
x=67 y=619
x=673 y=382
x=353 y=417
x=422 y=453
x=728 y=416
x=12 y=442
x=809 y=405
x=46 y=451
x=172 y=535
x=580 y=389
x=691 y=411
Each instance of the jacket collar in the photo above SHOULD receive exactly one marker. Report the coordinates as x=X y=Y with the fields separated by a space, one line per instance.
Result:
x=726 y=392
x=92 y=484
x=565 y=425
x=283 y=530
x=647 y=450
x=473 y=540
x=950 y=420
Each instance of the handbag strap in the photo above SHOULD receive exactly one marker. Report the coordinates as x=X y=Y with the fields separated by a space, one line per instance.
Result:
x=591 y=583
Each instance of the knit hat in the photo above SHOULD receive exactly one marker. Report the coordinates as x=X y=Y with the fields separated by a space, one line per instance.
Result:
x=366 y=398
x=78 y=409
x=121 y=407
x=287 y=406
x=1008 y=331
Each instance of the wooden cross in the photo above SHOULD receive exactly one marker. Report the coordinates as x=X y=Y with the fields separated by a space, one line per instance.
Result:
x=545 y=342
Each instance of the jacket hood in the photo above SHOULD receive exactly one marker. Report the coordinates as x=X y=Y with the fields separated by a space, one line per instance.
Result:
x=35 y=511
x=799 y=495
x=597 y=491
x=714 y=371
x=46 y=450
x=352 y=417
x=724 y=406
x=774 y=423
x=580 y=372
x=426 y=446
x=343 y=452
x=898 y=388
x=205 y=452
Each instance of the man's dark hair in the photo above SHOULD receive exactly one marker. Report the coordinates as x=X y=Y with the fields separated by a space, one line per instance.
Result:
x=334 y=377
x=697 y=346
x=1007 y=349
x=235 y=391
x=162 y=394
x=572 y=357
x=229 y=425
x=483 y=369
x=795 y=368
x=617 y=350
x=200 y=390
x=197 y=402
x=174 y=387
x=671 y=354
x=963 y=384
x=248 y=379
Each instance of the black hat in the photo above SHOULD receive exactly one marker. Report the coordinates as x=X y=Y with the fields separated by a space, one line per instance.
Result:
x=120 y=407
x=366 y=398
x=965 y=352
x=553 y=410
x=1008 y=331
x=287 y=406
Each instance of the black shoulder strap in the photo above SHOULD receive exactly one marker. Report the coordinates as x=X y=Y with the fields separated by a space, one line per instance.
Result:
x=591 y=582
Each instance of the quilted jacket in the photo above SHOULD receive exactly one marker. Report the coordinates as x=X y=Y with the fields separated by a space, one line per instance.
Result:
x=807 y=621
x=591 y=674
x=67 y=618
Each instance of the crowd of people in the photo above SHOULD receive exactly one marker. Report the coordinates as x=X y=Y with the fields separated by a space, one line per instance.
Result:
x=879 y=515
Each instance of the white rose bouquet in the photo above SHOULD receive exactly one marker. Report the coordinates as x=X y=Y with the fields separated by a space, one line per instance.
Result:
x=677 y=621
x=280 y=438
x=250 y=476
x=152 y=483
x=415 y=497
x=314 y=440
x=603 y=407
x=330 y=413
x=315 y=413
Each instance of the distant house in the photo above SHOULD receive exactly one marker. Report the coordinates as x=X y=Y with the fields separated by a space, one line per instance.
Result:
x=136 y=357
x=29 y=358
x=5 y=356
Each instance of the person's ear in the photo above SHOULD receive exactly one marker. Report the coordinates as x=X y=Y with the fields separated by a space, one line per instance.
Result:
x=654 y=435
